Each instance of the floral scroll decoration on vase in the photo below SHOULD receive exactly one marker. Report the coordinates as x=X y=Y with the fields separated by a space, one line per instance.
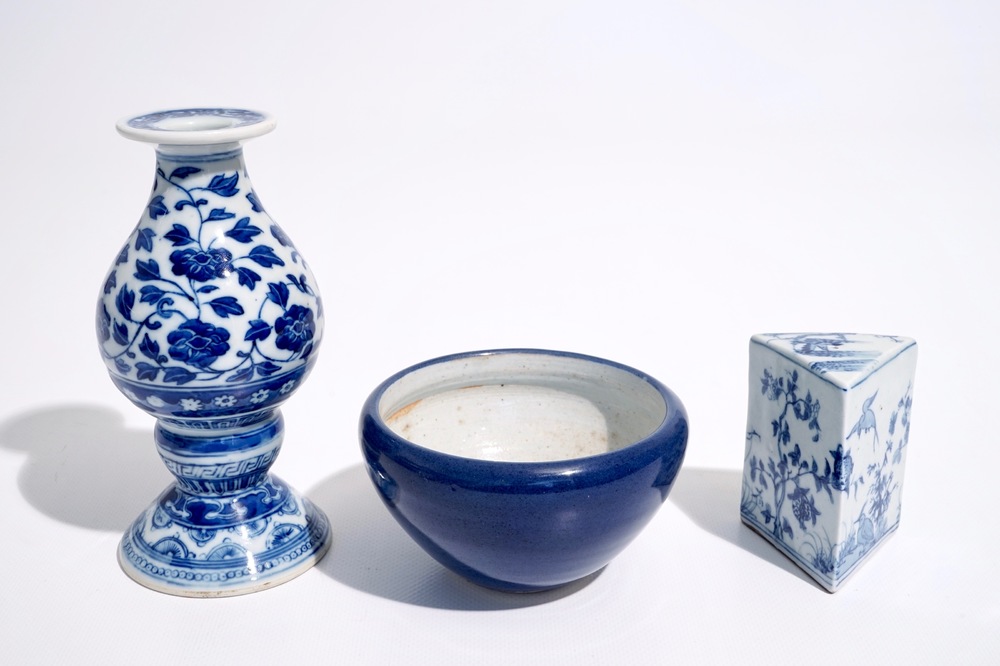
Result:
x=209 y=310
x=789 y=493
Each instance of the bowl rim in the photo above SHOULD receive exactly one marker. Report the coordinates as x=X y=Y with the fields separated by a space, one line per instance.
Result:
x=669 y=437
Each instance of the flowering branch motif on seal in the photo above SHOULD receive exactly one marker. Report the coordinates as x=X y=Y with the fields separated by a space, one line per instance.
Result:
x=786 y=477
x=773 y=484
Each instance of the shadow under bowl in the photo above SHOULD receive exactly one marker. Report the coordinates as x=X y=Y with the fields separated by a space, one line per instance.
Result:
x=523 y=469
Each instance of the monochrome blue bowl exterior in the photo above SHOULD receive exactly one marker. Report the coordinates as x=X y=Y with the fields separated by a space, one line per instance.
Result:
x=524 y=526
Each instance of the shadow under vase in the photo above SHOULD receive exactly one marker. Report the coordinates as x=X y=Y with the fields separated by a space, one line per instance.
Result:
x=83 y=466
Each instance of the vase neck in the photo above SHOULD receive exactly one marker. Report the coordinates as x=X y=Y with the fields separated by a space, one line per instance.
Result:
x=215 y=152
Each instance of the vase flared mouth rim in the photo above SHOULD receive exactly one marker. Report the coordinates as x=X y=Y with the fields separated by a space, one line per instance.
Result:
x=196 y=126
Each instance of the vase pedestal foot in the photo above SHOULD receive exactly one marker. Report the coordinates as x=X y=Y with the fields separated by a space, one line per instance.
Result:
x=194 y=545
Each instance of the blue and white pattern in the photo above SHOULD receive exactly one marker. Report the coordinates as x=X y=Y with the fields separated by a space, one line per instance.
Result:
x=197 y=126
x=842 y=356
x=209 y=319
x=208 y=310
x=184 y=118
x=227 y=526
x=827 y=429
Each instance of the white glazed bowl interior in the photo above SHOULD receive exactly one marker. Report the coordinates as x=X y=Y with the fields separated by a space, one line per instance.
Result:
x=522 y=407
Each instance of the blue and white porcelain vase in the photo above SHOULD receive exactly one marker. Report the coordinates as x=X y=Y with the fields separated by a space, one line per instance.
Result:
x=209 y=319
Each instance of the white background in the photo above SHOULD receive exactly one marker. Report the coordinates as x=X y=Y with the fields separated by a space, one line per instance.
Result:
x=652 y=182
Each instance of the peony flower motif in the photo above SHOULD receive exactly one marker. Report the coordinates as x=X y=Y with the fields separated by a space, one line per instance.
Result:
x=294 y=328
x=198 y=343
x=190 y=404
x=803 y=507
x=259 y=396
x=224 y=401
x=287 y=387
x=202 y=265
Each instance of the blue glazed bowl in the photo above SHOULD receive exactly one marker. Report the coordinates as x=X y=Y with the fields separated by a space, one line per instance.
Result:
x=523 y=469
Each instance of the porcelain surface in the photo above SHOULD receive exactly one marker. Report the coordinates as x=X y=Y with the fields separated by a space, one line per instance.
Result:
x=828 y=427
x=523 y=470
x=209 y=319
x=198 y=126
